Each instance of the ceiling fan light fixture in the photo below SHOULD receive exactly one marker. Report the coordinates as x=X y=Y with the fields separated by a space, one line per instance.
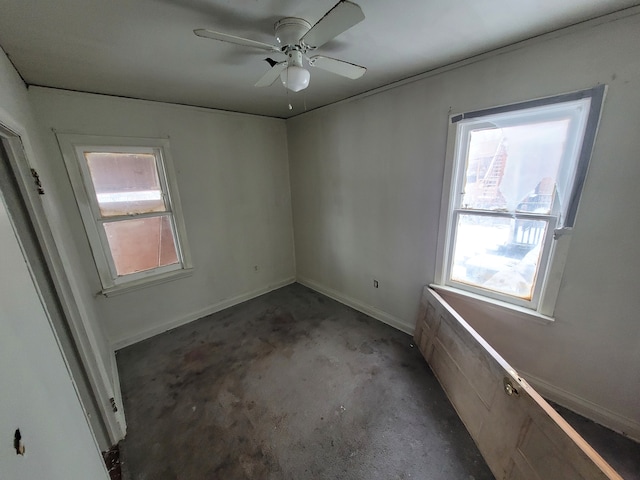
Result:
x=296 y=37
x=295 y=78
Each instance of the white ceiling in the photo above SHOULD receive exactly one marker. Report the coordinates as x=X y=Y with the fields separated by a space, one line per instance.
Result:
x=146 y=48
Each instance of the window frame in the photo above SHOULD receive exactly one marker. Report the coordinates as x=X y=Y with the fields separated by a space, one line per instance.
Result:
x=545 y=253
x=73 y=147
x=555 y=244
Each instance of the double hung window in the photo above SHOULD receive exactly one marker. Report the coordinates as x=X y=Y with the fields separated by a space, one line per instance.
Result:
x=516 y=177
x=129 y=206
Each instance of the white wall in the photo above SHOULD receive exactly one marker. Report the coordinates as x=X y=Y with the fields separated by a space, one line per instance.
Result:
x=233 y=181
x=366 y=181
x=16 y=114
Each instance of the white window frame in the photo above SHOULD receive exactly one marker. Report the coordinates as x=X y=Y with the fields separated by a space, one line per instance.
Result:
x=560 y=223
x=73 y=147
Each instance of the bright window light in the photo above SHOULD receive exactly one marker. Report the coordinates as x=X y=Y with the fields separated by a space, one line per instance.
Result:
x=517 y=176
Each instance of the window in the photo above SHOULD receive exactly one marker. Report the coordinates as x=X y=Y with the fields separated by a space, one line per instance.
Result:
x=516 y=176
x=129 y=206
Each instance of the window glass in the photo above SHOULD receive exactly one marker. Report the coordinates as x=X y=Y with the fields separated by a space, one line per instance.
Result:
x=128 y=199
x=514 y=168
x=141 y=244
x=517 y=174
x=125 y=183
x=498 y=253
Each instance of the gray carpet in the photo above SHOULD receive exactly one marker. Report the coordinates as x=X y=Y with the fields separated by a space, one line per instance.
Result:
x=622 y=453
x=290 y=385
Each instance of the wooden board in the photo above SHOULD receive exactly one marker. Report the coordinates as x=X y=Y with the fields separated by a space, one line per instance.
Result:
x=519 y=434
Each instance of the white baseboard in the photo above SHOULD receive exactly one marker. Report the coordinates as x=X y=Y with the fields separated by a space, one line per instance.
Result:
x=618 y=423
x=190 y=317
x=378 y=314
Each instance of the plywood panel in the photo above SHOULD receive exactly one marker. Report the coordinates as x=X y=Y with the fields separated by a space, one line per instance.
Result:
x=517 y=431
x=541 y=451
x=501 y=430
x=468 y=405
x=472 y=363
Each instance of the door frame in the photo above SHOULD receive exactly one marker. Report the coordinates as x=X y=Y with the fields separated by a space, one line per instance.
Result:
x=77 y=338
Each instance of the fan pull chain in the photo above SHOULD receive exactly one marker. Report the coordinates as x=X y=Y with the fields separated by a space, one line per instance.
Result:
x=288 y=97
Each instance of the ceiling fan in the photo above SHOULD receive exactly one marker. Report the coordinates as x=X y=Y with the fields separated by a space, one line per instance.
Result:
x=295 y=38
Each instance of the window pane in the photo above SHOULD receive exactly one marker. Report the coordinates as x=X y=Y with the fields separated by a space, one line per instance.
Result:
x=125 y=183
x=141 y=244
x=514 y=168
x=498 y=253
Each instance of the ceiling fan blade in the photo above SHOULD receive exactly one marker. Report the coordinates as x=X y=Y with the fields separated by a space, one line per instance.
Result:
x=346 y=69
x=337 y=20
x=225 y=37
x=272 y=75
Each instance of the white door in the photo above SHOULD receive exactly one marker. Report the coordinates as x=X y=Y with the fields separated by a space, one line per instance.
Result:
x=37 y=395
x=518 y=433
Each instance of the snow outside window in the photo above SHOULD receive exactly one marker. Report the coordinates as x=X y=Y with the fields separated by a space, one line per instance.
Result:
x=516 y=180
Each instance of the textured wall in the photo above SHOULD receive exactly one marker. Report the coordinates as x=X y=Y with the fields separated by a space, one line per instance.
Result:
x=233 y=182
x=367 y=179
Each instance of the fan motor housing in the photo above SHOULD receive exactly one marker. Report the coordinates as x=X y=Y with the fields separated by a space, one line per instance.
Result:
x=290 y=30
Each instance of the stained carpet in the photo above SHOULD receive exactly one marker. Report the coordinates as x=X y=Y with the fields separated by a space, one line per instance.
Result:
x=290 y=385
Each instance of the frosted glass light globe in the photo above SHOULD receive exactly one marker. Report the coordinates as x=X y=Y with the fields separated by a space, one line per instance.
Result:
x=295 y=78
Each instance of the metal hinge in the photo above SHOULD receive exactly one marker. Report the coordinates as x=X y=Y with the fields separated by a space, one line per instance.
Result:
x=113 y=404
x=36 y=178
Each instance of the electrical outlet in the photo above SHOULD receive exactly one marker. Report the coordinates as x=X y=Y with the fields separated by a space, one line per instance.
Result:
x=375 y=283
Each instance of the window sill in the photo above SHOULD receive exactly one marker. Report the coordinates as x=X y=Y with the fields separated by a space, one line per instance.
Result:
x=146 y=282
x=515 y=310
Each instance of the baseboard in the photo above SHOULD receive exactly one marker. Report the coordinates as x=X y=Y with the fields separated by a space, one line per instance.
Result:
x=190 y=317
x=373 y=312
x=618 y=423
